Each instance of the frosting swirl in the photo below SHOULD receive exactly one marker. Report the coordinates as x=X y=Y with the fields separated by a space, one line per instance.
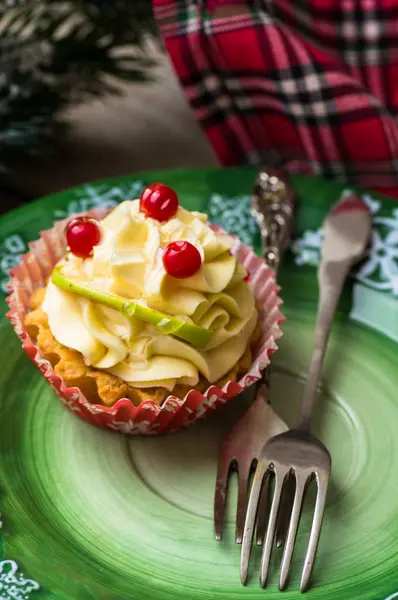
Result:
x=128 y=262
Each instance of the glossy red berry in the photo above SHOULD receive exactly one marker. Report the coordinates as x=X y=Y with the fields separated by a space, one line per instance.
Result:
x=159 y=202
x=181 y=260
x=82 y=234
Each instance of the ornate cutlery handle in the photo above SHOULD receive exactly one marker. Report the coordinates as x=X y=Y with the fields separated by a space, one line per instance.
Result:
x=272 y=207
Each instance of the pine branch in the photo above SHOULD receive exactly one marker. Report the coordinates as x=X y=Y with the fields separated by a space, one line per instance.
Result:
x=55 y=53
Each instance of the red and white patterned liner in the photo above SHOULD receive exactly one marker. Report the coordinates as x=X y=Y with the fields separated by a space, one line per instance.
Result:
x=149 y=418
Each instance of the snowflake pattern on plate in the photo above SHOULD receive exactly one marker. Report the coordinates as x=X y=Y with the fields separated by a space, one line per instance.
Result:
x=234 y=216
x=13 y=584
x=11 y=249
x=380 y=270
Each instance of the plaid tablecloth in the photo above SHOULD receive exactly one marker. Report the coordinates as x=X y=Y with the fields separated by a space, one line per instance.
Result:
x=309 y=84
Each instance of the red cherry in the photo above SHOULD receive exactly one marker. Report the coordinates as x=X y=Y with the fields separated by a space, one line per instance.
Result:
x=159 y=202
x=181 y=260
x=82 y=234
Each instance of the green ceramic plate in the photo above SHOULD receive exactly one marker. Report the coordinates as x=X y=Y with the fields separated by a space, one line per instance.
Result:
x=87 y=514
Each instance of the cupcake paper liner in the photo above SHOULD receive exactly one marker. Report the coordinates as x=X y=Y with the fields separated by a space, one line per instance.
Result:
x=149 y=418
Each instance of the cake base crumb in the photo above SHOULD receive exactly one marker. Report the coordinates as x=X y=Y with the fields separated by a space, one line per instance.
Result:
x=100 y=387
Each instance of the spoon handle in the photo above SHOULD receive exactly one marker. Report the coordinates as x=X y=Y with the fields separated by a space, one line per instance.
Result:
x=346 y=234
x=331 y=282
x=272 y=207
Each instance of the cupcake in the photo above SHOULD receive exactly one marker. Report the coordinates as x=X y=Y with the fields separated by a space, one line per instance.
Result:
x=147 y=318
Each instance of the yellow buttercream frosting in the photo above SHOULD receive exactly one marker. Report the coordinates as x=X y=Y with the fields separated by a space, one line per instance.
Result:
x=128 y=262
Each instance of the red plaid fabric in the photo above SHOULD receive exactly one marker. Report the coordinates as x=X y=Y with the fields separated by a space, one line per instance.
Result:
x=311 y=85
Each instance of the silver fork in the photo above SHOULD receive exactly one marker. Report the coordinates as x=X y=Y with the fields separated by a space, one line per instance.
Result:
x=272 y=206
x=347 y=230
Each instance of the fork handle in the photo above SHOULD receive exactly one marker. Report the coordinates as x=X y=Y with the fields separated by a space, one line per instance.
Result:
x=331 y=282
x=272 y=207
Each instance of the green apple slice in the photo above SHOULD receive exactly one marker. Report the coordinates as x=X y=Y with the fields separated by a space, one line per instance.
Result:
x=167 y=325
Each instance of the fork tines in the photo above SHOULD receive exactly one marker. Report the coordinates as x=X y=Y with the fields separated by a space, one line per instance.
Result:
x=302 y=477
x=243 y=475
x=239 y=452
x=223 y=474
